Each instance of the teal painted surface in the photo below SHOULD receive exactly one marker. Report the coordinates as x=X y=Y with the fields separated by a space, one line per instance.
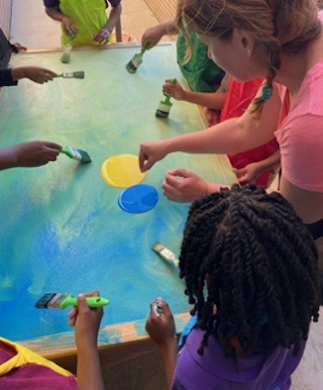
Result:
x=61 y=227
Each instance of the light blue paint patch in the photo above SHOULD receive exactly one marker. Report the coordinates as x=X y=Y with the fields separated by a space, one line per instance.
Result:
x=109 y=337
x=140 y=327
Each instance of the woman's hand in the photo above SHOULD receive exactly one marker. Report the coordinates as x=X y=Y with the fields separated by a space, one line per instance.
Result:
x=183 y=186
x=151 y=152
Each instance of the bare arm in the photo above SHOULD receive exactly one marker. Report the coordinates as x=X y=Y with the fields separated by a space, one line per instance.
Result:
x=231 y=136
x=29 y=154
x=251 y=172
x=87 y=322
x=89 y=375
x=113 y=18
x=67 y=23
x=161 y=329
x=168 y=355
x=33 y=73
x=154 y=34
x=213 y=100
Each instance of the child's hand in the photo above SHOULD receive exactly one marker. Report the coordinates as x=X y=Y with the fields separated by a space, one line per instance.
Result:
x=183 y=186
x=35 y=153
x=69 y=26
x=19 y=47
x=102 y=37
x=39 y=75
x=173 y=90
x=153 y=35
x=248 y=174
x=151 y=152
x=161 y=328
x=212 y=116
x=86 y=321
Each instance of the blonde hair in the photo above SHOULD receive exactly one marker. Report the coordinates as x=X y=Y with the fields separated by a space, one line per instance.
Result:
x=279 y=26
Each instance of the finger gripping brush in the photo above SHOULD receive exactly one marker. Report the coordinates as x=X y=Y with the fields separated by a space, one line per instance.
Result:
x=165 y=105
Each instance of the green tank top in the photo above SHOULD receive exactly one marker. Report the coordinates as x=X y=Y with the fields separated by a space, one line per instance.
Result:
x=200 y=72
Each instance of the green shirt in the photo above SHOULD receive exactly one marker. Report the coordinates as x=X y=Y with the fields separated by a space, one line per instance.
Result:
x=200 y=72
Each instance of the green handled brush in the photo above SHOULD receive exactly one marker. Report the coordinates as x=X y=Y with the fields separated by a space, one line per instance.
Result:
x=61 y=301
x=66 y=56
x=76 y=154
x=72 y=75
x=136 y=60
x=164 y=105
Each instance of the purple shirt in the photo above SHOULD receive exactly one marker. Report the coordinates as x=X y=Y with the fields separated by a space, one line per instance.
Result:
x=55 y=3
x=33 y=376
x=214 y=371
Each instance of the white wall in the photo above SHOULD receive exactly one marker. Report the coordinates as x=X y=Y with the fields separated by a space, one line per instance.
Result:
x=5 y=15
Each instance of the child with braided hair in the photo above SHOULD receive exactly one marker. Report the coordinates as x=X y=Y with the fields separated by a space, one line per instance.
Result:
x=251 y=271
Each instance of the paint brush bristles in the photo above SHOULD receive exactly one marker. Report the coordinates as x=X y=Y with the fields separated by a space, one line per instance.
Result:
x=73 y=75
x=76 y=154
x=164 y=105
x=66 y=56
x=136 y=60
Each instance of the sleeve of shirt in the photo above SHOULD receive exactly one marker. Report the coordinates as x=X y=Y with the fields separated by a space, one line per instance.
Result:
x=114 y=3
x=51 y=3
x=6 y=79
x=301 y=147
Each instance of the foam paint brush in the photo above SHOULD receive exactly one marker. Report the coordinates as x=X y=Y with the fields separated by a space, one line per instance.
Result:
x=165 y=105
x=136 y=60
x=72 y=75
x=76 y=154
x=66 y=56
x=61 y=301
x=165 y=253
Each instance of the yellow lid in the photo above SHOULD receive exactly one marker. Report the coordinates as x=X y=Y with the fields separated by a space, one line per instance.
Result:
x=122 y=171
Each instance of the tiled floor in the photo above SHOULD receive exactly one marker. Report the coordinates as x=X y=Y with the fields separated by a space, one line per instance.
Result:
x=34 y=29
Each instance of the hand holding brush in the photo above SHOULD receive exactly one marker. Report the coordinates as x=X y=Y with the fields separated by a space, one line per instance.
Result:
x=165 y=105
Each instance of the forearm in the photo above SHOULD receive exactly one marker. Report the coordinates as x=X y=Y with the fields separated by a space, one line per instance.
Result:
x=225 y=137
x=168 y=354
x=8 y=158
x=18 y=73
x=89 y=375
x=113 y=17
x=211 y=100
x=54 y=14
x=168 y=27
